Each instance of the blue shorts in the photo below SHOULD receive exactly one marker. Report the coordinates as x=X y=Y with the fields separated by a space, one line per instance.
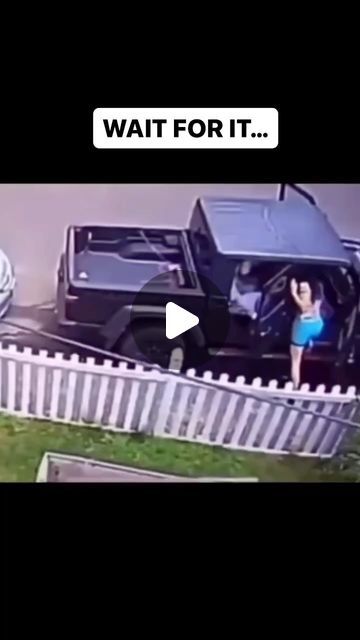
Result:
x=306 y=330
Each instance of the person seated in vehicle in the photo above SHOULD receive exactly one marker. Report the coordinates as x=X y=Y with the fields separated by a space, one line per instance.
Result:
x=246 y=294
x=308 y=324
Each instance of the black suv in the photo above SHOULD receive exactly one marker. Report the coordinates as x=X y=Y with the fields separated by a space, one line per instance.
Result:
x=116 y=281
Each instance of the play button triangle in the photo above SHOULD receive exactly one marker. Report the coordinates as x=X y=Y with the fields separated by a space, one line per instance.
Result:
x=178 y=320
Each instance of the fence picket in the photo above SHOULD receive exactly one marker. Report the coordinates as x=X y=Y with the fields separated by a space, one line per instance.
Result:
x=273 y=426
x=185 y=391
x=262 y=431
x=208 y=400
x=103 y=389
x=351 y=393
x=148 y=403
x=26 y=385
x=55 y=388
x=215 y=406
x=228 y=415
x=11 y=382
x=257 y=425
x=71 y=386
x=288 y=423
x=226 y=419
x=41 y=383
x=117 y=397
x=326 y=445
x=302 y=427
x=243 y=420
x=316 y=434
x=165 y=405
x=352 y=404
x=324 y=425
x=317 y=427
x=86 y=394
x=195 y=414
x=134 y=392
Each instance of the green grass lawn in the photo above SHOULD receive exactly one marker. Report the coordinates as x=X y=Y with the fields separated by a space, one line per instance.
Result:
x=23 y=443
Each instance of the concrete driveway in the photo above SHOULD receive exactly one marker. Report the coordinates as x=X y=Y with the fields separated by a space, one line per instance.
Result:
x=34 y=218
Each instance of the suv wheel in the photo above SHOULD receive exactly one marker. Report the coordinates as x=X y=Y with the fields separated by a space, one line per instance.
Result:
x=149 y=344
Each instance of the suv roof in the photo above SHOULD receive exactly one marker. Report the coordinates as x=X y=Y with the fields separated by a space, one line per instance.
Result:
x=276 y=229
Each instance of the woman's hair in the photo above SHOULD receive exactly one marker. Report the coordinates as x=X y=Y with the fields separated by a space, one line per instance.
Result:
x=316 y=287
x=317 y=290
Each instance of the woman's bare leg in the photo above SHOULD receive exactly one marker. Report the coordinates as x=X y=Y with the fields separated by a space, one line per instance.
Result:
x=296 y=357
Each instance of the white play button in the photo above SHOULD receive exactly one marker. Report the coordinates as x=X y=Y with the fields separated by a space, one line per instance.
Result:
x=178 y=320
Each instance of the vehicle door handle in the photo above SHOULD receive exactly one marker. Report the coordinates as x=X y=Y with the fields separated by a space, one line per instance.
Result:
x=265 y=333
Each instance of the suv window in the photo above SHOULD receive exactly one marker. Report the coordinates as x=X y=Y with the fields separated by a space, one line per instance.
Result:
x=268 y=275
x=342 y=285
x=202 y=248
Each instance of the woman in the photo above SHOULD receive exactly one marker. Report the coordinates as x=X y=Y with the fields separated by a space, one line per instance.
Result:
x=307 y=326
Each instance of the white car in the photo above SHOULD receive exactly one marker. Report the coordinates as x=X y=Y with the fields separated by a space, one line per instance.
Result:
x=7 y=283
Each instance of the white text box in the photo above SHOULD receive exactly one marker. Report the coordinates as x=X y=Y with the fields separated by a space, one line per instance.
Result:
x=190 y=128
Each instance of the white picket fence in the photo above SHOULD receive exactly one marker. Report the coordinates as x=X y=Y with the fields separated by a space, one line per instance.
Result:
x=127 y=400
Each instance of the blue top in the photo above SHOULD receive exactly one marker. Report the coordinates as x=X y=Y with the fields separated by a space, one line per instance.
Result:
x=275 y=229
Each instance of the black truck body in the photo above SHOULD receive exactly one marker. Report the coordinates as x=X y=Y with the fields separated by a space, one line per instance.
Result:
x=103 y=268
